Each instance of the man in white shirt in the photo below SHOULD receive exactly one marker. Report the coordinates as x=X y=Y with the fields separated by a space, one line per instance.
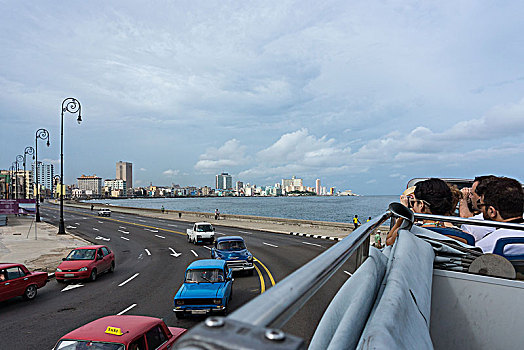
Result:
x=468 y=206
x=503 y=201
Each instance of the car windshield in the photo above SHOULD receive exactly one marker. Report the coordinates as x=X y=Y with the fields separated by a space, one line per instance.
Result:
x=204 y=228
x=82 y=254
x=231 y=245
x=87 y=345
x=204 y=275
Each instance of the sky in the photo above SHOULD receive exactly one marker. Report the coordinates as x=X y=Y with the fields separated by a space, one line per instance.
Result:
x=364 y=95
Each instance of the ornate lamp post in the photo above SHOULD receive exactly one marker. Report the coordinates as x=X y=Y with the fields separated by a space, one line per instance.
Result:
x=31 y=151
x=42 y=134
x=70 y=105
x=19 y=158
x=12 y=170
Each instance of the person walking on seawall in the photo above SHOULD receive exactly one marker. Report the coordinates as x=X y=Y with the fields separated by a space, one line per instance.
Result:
x=369 y=219
x=92 y=207
x=217 y=214
x=356 y=222
x=162 y=209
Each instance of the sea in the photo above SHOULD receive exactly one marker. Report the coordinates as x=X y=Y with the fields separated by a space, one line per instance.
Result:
x=321 y=208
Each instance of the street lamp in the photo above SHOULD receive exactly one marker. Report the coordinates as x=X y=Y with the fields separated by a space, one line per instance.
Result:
x=12 y=170
x=70 y=105
x=31 y=151
x=42 y=134
x=19 y=158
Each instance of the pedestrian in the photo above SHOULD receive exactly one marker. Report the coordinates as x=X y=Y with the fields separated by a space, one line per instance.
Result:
x=369 y=219
x=92 y=207
x=217 y=214
x=378 y=240
x=356 y=222
x=162 y=209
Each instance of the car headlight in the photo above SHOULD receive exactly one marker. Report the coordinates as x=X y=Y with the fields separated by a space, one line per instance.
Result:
x=83 y=269
x=217 y=301
x=250 y=258
x=58 y=270
x=179 y=302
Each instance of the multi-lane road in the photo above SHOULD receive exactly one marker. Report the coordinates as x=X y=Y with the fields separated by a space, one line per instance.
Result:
x=151 y=257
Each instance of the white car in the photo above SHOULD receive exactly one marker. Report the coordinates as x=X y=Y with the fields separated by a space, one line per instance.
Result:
x=200 y=233
x=104 y=212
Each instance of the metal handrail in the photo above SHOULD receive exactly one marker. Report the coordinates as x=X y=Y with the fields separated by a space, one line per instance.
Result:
x=476 y=222
x=277 y=305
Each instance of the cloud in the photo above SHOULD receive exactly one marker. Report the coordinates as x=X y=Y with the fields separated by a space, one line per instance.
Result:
x=171 y=172
x=229 y=155
x=142 y=169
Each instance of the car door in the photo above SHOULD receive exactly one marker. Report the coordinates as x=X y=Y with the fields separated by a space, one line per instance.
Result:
x=107 y=257
x=5 y=286
x=156 y=338
x=100 y=263
x=14 y=282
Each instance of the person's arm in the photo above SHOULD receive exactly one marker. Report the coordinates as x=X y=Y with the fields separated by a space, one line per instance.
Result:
x=393 y=233
x=464 y=211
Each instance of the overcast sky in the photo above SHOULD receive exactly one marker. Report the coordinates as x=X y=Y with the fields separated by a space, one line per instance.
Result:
x=363 y=95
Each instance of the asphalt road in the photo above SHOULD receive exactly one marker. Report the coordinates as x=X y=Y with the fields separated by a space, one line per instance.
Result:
x=148 y=273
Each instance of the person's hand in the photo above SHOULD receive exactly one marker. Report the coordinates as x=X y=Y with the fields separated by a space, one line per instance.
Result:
x=466 y=191
x=404 y=200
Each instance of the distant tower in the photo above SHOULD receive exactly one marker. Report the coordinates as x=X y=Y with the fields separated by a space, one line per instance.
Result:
x=224 y=181
x=317 y=189
x=124 y=171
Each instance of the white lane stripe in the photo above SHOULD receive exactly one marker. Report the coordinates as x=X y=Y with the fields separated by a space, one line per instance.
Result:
x=160 y=236
x=271 y=245
x=192 y=251
x=349 y=273
x=171 y=225
x=127 y=239
x=126 y=310
x=76 y=223
x=72 y=286
x=125 y=232
x=122 y=227
x=207 y=247
x=94 y=228
x=318 y=245
x=244 y=232
x=129 y=279
x=147 y=251
x=100 y=222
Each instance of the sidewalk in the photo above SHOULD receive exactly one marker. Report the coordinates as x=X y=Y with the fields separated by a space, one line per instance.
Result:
x=18 y=244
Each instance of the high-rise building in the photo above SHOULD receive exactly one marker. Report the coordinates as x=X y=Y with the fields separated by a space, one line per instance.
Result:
x=124 y=171
x=317 y=187
x=224 y=181
x=92 y=185
x=45 y=174
x=239 y=186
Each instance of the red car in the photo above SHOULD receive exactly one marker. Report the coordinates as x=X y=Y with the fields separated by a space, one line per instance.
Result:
x=16 y=280
x=86 y=263
x=124 y=332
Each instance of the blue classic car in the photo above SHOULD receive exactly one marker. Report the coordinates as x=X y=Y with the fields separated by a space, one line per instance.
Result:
x=207 y=289
x=233 y=250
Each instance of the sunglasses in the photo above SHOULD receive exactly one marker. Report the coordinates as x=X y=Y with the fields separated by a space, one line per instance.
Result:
x=411 y=202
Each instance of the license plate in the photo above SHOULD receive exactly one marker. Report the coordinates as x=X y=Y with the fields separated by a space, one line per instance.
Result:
x=198 y=312
x=69 y=275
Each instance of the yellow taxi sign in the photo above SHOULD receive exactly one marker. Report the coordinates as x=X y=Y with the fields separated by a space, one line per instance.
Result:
x=113 y=330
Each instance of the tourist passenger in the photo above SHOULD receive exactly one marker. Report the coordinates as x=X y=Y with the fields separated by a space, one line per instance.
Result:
x=503 y=201
x=432 y=196
x=356 y=222
x=2 y=276
x=469 y=206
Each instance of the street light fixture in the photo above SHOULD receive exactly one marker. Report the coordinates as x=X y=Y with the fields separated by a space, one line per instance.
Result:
x=19 y=158
x=31 y=151
x=42 y=134
x=70 y=105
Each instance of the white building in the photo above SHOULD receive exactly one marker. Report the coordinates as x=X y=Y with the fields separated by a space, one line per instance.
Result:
x=92 y=185
x=116 y=184
x=224 y=181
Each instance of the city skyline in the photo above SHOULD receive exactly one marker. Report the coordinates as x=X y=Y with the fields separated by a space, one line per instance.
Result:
x=266 y=90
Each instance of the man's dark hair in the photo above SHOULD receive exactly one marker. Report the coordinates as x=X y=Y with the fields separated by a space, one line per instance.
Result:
x=507 y=196
x=437 y=193
x=483 y=183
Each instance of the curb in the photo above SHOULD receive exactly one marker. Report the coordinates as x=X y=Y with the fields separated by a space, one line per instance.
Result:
x=315 y=236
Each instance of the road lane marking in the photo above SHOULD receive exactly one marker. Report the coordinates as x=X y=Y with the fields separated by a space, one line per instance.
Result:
x=318 y=245
x=267 y=271
x=103 y=238
x=175 y=254
x=94 y=228
x=129 y=279
x=218 y=233
x=72 y=286
x=171 y=225
x=349 y=273
x=160 y=236
x=141 y=220
x=122 y=227
x=147 y=251
x=69 y=226
x=126 y=310
x=192 y=251
x=261 y=278
x=127 y=239
x=207 y=247
x=269 y=244
x=124 y=232
x=148 y=229
x=76 y=223
x=100 y=222
x=249 y=233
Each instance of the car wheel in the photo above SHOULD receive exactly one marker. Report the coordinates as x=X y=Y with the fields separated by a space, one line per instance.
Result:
x=112 y=268
x=180 y=315
x=189 y=238
x=92 y=277
x=30 y=292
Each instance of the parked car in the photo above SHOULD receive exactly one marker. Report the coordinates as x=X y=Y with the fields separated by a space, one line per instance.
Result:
x=200 y=233
x=86 y=263
x=233 y=250
x=16 y=280
x=121 y=332
x=104 y=212
x=207 y=289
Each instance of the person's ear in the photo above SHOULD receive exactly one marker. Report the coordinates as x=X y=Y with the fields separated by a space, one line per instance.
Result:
x=492 y=212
